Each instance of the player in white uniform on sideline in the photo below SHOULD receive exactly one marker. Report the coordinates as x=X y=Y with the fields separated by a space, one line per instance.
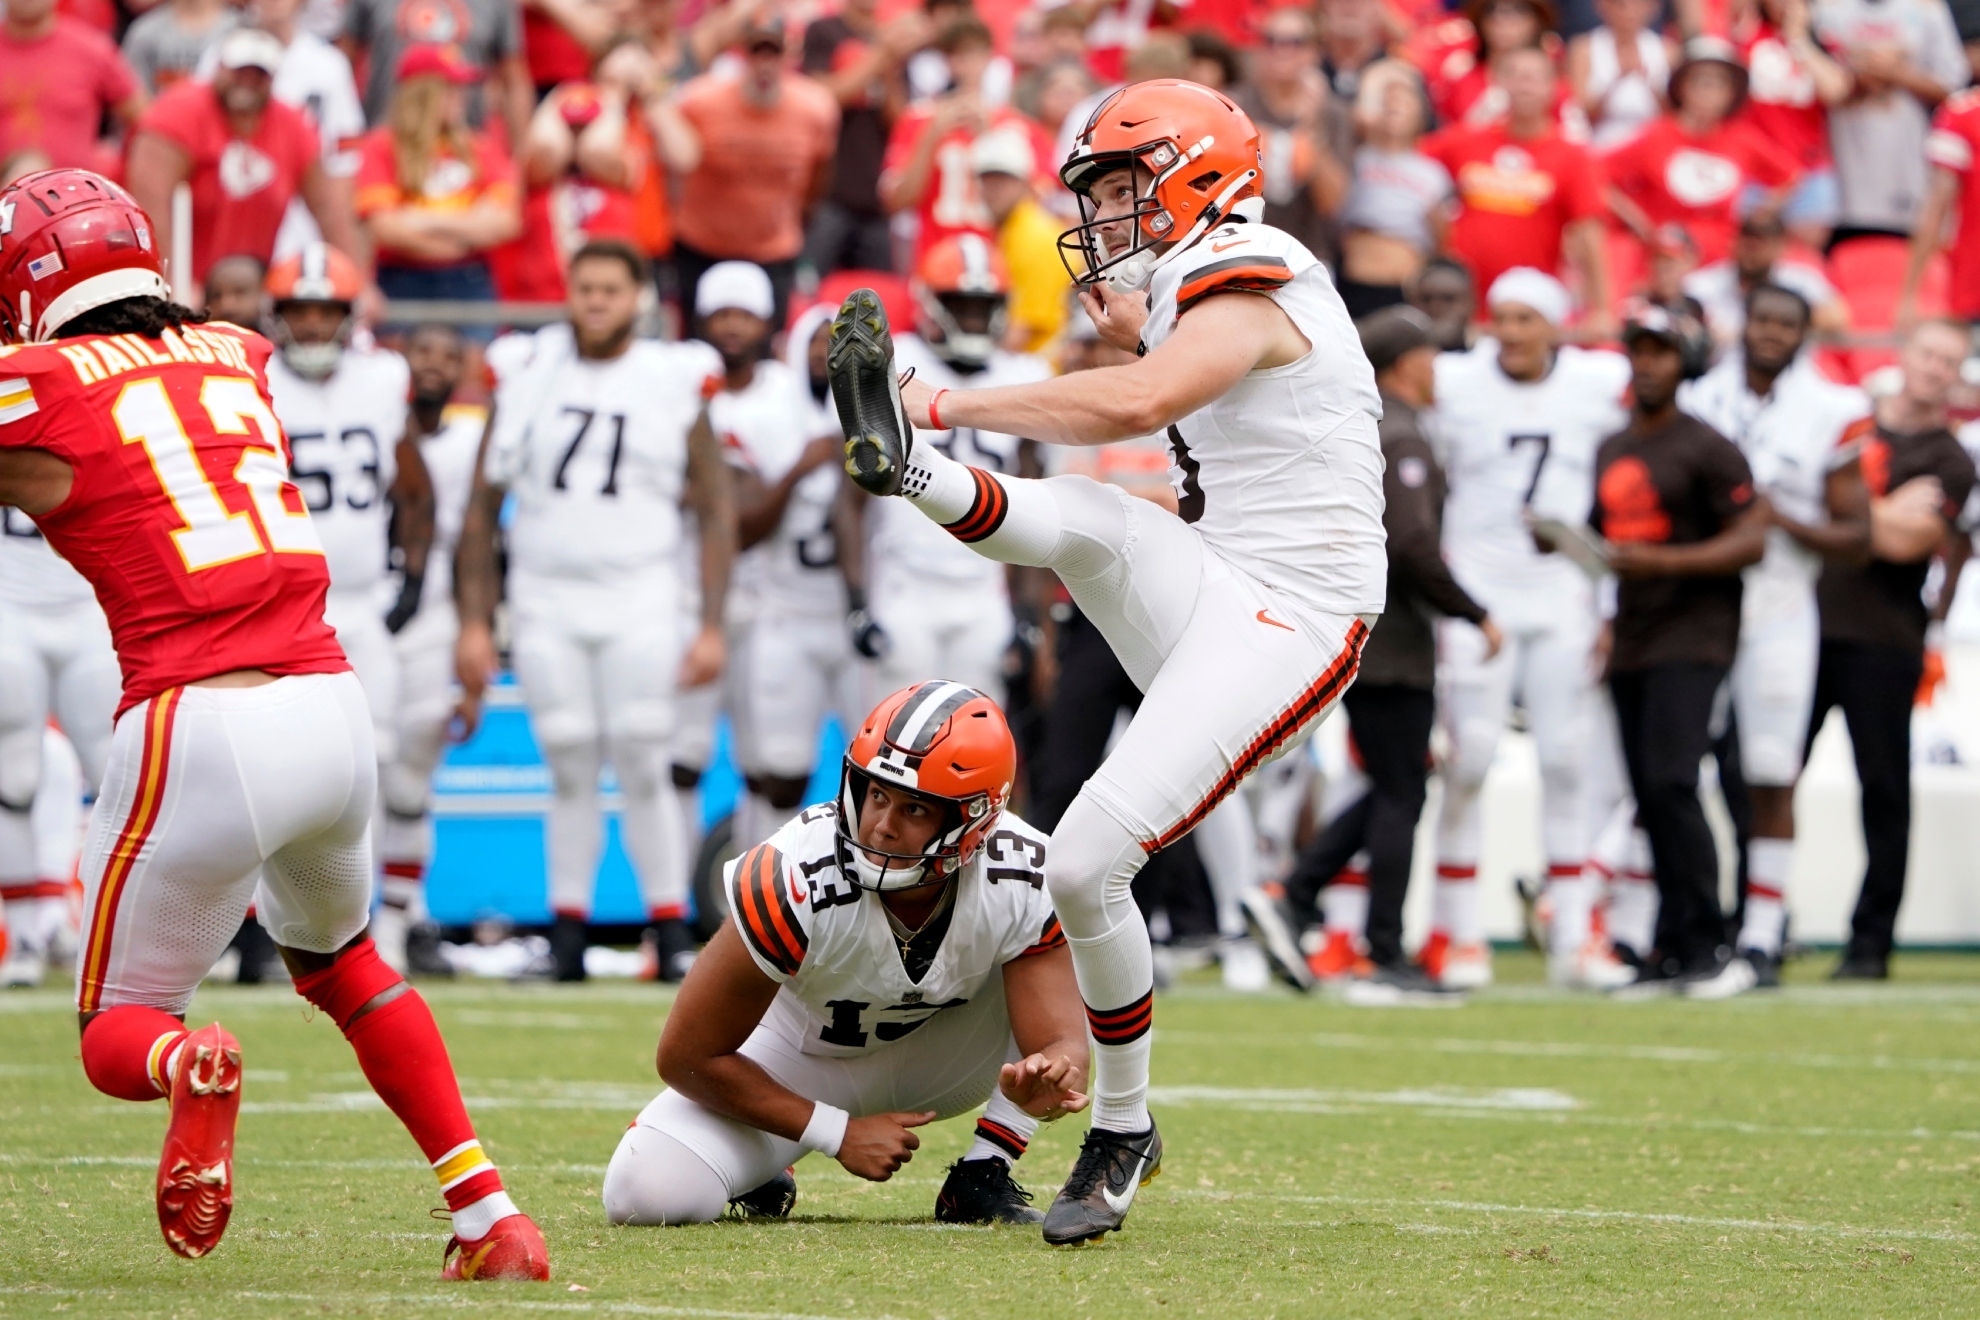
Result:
x=361 y=475
x=429 y=712
x=791 y=662
x=1801 y=435
x=889 y=959
x=55 y=660
x=946 y=612
x=1241 y=617
x=601 y=436
x=1519 y=428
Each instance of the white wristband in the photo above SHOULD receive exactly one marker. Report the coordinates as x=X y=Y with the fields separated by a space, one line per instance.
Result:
x=826 y=1131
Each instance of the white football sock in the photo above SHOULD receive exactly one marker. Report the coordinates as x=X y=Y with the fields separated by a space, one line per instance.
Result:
x=1227 y=843
x=473 y=1221
x=1767 y=863
x=1454 y=904
x=1344 y=903
x=1571 y=894
x=1089 y=869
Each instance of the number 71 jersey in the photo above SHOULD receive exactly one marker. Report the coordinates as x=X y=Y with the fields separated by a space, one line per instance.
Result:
x=846 y=990
x=182 y=516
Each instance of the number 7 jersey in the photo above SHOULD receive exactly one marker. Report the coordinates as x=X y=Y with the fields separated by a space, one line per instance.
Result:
x=181 y=516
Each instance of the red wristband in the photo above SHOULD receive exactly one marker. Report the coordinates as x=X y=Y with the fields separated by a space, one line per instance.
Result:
x=934 y=416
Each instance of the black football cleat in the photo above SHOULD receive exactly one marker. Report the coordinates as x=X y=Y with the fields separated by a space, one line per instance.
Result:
x=773 y=1200
x=860 y=365
x=1111 y=1168
x=673 y=950
x=569 y=938
x=1766 y=969
x=423 y=955
x=983 y=1192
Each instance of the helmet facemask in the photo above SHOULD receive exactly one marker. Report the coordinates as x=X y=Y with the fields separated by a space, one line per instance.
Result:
x=1150 y=224
x=318 y=361
x=968 y=326
x=944 y=854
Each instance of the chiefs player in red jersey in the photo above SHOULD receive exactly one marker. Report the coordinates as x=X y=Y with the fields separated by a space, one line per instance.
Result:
x=143 y=445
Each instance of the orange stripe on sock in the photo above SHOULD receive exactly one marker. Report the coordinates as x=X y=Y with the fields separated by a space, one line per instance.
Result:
x=158 y=721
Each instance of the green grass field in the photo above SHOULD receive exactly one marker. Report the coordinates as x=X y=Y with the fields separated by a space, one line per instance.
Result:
x=1810 y=1152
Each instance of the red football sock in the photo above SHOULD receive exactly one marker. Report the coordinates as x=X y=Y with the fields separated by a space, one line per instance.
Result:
x=399 y=1048
x=125 y=1051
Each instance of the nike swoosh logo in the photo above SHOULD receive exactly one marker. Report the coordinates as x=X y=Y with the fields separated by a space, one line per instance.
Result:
x=1219 y=247
x=1119 y=1204
x=1263 y=617
x=472 y=1265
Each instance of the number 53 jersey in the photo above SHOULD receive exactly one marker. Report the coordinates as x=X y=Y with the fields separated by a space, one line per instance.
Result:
x=846 y=983
x=1509 y=445
x=596 y=453
x=181 y=515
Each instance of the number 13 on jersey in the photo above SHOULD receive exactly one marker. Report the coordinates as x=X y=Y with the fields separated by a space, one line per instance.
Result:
x=210 y=532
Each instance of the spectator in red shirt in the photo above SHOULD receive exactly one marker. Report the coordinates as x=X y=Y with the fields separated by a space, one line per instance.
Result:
x=435 y=194
x=585 y=164
x=1955 y=182
x=1459 y=59
x=1692 y=166
x=561 y=38
x=244 y=154
x=1526 y=195
x=58 y=78
x=1791 y=84
x=753 y=151
x=928 y=166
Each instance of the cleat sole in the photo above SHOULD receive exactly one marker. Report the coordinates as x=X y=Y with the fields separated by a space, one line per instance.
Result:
x=860 y=365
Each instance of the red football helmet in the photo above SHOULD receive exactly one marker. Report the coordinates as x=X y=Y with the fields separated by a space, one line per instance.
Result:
x=1197 y=161
x=70 y=241
x=943 y=741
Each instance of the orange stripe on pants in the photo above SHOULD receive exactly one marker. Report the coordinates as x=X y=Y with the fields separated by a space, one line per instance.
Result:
x=130 y=843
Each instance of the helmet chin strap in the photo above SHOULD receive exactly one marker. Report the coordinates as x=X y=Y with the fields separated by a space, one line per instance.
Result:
x=1134 y=273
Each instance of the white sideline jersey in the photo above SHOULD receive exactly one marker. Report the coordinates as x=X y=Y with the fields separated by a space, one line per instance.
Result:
x=764 y=429
x=1793 y=438
x=450 y=455
x=596 y=455
x=1282 y=474
x=905 y=540
x=1509 y=445
x=344 y=433
x=829 y=944
x=32 y=575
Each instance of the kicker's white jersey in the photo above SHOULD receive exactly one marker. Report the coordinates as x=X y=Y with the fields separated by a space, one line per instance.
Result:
x=908 y=547
x=765 y=428
x=596 y=455
x=1793 y=438
x=1282 y=474
x=829 y=944
x=344 y=433
x=450 y=454
x=1510 y=445
x=32 y=575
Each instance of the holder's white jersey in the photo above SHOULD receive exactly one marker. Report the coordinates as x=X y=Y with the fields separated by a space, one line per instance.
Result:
x=1793 y=438
x=906 y=543
x=32 y=575
x=1509 y=445
x=596 y=455
x=450 y=455
x=765 y=428
x=344 y=433
x=830 y=946
x=1282 y=475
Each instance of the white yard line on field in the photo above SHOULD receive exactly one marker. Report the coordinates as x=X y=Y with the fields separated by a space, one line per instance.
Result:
x=1585 y=1212
x=1557 y=1049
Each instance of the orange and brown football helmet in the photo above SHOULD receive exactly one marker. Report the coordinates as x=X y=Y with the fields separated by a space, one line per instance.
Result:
x=1196 y=161
x=961 y=285
x=940 y=740
x=317 y=274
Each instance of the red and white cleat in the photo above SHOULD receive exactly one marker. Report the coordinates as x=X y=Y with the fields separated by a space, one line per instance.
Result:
x=196 y=1170
x=513 y=1249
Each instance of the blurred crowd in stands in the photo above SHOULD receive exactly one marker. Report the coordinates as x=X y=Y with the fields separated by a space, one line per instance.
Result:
x=462 y=149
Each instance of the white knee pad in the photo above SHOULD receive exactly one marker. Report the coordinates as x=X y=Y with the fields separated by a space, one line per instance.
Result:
x=1090 y=867
x=654 y=1179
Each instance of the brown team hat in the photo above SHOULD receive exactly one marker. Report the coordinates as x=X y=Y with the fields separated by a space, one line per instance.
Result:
x=1392 y=332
